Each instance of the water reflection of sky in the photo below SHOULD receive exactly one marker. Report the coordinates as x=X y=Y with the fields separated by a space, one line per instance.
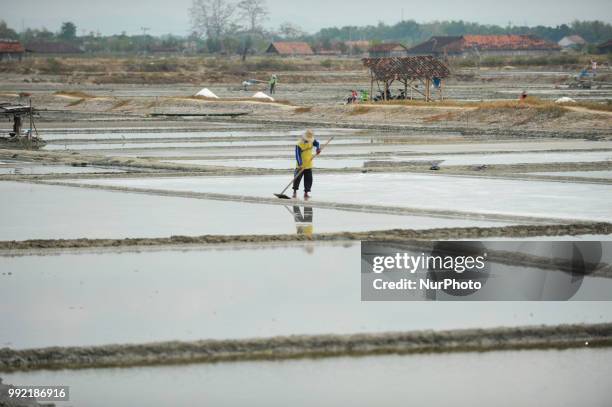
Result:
x=101 y=298
x=574 y=377
x=52 y=211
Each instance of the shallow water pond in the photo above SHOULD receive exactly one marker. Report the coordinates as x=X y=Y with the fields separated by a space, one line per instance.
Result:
x=576 y=377
x=58 y=212
x=93 y=297
x=31 y=168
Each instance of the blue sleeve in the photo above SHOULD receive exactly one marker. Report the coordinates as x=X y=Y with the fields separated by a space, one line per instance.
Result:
x=316 y=144
x=298 y=155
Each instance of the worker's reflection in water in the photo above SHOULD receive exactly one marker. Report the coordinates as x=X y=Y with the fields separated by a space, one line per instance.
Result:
x=303 y=223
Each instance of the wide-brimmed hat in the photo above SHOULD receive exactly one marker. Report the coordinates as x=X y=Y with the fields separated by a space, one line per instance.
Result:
x=308 y=136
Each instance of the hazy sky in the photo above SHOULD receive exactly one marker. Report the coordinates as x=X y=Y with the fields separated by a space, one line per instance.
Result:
x=171 y=16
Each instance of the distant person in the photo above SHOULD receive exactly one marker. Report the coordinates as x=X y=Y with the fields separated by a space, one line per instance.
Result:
x=594 y=68
x=273 y=81
x=353 y=98
x=304 y=157
x=17 y=126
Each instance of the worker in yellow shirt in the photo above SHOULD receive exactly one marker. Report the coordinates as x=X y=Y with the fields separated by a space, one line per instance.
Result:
x=304 y=156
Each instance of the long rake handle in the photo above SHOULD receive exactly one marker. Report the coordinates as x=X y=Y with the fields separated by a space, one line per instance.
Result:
x=302 y=170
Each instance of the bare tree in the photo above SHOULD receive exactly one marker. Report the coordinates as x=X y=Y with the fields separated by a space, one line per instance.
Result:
x=254 y=12
x=211 y=18
x=290 y=31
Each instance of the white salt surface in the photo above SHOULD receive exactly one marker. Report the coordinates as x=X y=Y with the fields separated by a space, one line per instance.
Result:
x=274 y=163
x=470 y=194
x=580 y=174
x=517 y=158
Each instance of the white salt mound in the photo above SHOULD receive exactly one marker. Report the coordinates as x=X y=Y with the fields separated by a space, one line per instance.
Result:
x=261 y=95
x=207 y=93
x=565 y=99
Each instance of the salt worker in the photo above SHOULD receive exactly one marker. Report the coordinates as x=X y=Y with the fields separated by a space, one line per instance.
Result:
x=273 y=81
x=304 y=157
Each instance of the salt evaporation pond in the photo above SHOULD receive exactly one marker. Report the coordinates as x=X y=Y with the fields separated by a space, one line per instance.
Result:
x=518 y=158
x=30 y=168
x=548 y=378
x=61 y=298
x=123 y=134
x=455 y=154
x=510 y=146
x=288 y=150
x=190 y=144
x=579 y=174
x=274 y=163
x=455 y=193
x=458 y=159
x=58 y=212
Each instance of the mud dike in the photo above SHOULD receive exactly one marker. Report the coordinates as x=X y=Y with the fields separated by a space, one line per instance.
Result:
x=317 y=346
x=383 y=235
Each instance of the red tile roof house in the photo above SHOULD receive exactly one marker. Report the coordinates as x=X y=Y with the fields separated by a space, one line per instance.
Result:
x=485 y=45
x=11 y=50
x=387 y=50
x=289 y=49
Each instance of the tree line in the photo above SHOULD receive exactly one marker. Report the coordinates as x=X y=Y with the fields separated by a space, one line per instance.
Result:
x=410 y=32
x=238 y=27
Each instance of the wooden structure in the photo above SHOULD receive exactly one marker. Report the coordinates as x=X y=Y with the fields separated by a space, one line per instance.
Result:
x=11 y=50
x=19 y=113
x=410 y=71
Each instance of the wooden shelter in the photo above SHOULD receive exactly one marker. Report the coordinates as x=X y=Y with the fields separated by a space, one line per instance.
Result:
x=11 y=50
x=18 y=113
x=410 y=71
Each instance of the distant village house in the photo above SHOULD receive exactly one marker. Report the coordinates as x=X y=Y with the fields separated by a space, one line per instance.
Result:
x=289 y=49
x=572 y=42
x=328 y=52
x=485 y=45
x=605 y=48
x=387 y=50
x=48 y=47
x=11 y=50
x=357 y=47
